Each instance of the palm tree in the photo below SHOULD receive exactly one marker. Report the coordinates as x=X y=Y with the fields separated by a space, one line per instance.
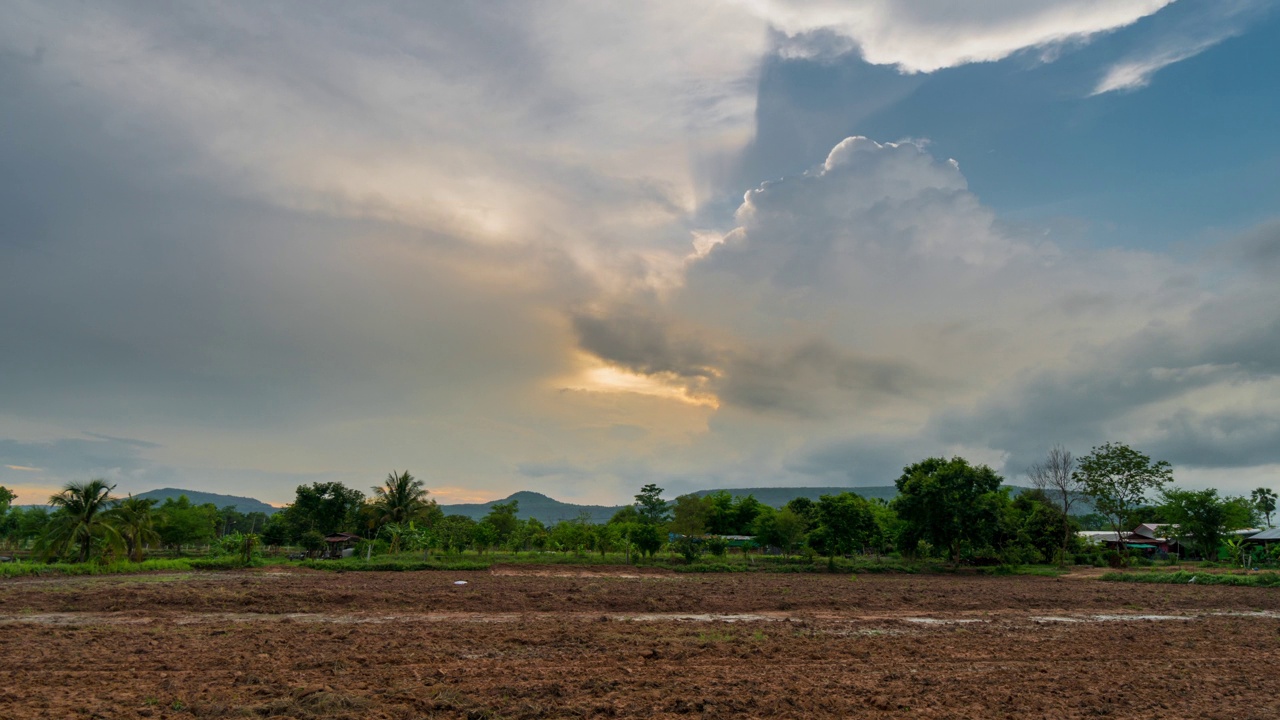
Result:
x=401 y=499
x=80 y=519
x=132 y=518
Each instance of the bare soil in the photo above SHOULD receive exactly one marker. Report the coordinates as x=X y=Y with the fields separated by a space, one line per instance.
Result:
x=521 y=642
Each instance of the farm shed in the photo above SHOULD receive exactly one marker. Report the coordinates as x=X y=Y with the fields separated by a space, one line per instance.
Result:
x=340 y=544
x=1266 y=537
x=1147 y=538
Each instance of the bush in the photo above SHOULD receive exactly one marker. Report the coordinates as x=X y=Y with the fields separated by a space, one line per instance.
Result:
x=689 y=548
x=717 y=546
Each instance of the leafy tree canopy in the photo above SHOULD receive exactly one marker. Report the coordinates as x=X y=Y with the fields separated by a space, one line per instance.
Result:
x=502 y=517
x=650 y=506
x=1202 y=519
x=846 y=523
x=949 y=503
x=1118 y=479
x=326 y=508
x=179 y=522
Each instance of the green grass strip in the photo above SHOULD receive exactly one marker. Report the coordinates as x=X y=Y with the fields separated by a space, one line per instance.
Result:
x=1183 y=577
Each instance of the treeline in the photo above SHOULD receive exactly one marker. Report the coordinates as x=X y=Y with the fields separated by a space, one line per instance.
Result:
x=945 y=508
x=85 y=520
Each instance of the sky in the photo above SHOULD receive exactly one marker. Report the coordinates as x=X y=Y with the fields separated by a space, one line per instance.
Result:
x=577 y=247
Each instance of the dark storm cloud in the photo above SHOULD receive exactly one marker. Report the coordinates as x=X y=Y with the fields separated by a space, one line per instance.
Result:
x=814 y=379
x=1257 y=250
x=807 y=378
x=1229 y=342
x=643 y=342
x=1232 y=439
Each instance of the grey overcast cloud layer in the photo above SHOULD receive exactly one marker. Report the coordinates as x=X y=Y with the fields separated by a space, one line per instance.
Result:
x=249 y=245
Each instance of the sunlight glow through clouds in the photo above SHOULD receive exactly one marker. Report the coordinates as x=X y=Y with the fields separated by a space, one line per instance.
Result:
x=602 y=377
x=452 y=495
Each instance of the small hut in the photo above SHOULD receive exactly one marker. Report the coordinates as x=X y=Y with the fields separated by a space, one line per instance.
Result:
x=340 y=545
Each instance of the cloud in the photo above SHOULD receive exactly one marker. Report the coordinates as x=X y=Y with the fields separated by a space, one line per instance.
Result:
x=114 y=459
x=491 y=123
x=1202 y=28
x=1256 y=250
x=873 y=311
x=935 y=34
x=1137 y=72
x=456 y=239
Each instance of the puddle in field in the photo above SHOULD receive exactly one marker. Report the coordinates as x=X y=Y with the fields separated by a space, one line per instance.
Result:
x=941 y=621
x=1108 y=618
x=698 y=617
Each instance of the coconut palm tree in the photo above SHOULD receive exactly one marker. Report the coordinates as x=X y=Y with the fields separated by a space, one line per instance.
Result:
x=134 y=521
x=401 y=499
x=80 y=519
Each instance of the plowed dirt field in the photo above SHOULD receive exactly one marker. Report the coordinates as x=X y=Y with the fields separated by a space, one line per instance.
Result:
x=522 y=642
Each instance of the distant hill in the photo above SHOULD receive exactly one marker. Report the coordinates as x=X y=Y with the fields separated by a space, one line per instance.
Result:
x=532 y=504
x=241 y=504
x=549 y=510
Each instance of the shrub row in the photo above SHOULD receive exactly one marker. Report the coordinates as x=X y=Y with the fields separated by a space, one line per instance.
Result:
x=1183 y=577
x=392 y=564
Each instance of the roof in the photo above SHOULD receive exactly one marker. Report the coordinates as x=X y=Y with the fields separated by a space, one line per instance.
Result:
x=341 y=537
x=1272 y=534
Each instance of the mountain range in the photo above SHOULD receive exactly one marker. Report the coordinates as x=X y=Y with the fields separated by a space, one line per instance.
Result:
x=549 y=510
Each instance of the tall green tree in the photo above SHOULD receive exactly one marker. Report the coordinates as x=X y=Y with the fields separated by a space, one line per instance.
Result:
x=1035 y=521
x=570 y=535
x=1203 y=519
x=80 y=520
x=502 y=516
x=455 y=532
x=326 y=508
x=729 y=515
x=135 y=521
x=8 y=521
x=532 y=534
x=402 y=499
x=180 y=522
x=650 y=505
x=846 y=524
x=27 y=525
x=6 y=497
x=949 y=503
x=784 y=529
x=1118 y=479
x=689 y=515
x=1265 y=500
